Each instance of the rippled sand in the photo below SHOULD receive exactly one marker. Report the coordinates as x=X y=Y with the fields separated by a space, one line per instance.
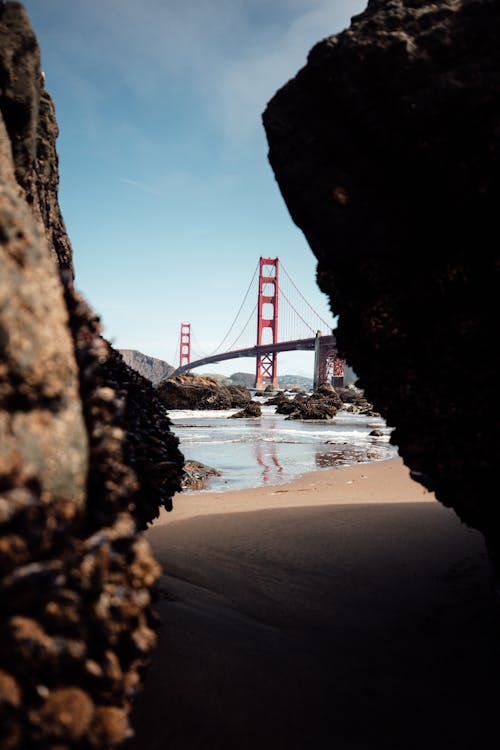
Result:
x=346 y=610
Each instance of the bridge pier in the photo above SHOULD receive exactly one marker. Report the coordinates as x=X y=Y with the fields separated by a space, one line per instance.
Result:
x=328 y=367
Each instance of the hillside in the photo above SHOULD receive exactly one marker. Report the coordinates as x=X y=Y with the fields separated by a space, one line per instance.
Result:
x=149 y=367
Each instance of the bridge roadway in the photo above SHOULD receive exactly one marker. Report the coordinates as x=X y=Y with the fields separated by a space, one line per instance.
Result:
x=254 y=351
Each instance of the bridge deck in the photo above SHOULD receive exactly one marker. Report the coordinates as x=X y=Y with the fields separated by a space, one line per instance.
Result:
x=254 y=351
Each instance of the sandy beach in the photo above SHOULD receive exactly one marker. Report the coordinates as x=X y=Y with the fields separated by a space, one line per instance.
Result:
x=348 y=609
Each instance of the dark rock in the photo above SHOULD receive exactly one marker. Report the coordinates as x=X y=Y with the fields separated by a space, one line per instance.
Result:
x=386 y=150
x=350 y=395
x=315 y=410
x=135 y=460
x=327 y=394
x=86 y=458
x=200 y=392
x=240 y=396
x=356 y=402
x=38 y=374
x=196 y=475
x=325 y=389
x=277 y=400
x=29 y=116
x=376 y=433
x=286 y=405
x=324 y=403
x=251 y=410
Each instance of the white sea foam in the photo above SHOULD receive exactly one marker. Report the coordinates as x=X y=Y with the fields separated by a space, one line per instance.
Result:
x=189 y=414
x=271 y=449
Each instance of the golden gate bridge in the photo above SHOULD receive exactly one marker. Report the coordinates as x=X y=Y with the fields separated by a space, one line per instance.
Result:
x=284 y=321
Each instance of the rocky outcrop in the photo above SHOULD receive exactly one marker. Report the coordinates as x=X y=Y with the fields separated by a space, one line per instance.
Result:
x=240 y=396
x=29 y=116
x=138 y=465
x=200 y=392
x=251 y=410
x=151 y=368
x=38 y=375
x=323 y=404
x=354 y=400
x=86 y=458
x=386 y=150
x=196 y=475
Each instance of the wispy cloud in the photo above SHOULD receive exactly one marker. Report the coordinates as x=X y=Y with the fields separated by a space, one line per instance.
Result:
x=140 y=186
x=245 y=86
x=233 y=53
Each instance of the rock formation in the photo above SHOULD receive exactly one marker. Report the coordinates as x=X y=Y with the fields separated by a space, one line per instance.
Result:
x=386 y=149
x=354 y=400
x=323 y=404
x=151 y=368
x=240 y=396
x=196 y=475
x=251 y=410
x=29 y=117
x=201 y=392
x=86 y=458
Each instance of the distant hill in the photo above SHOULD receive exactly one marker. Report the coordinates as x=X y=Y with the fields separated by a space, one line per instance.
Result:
x=243 y=378
x=305 y=383
x=248 y=380
x=149 y=367
x=223 y=379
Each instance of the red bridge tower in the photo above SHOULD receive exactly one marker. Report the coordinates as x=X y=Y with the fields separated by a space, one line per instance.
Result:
x=185 y=345
x=267 y=322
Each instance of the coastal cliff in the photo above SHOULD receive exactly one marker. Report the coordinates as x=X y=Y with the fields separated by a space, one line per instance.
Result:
x=151 y=368
x=385 y=147
x=86 y=457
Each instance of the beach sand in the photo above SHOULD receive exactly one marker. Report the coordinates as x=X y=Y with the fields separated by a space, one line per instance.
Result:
x=348 y=609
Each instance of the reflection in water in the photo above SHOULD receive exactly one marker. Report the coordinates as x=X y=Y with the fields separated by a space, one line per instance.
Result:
x=270 y=450
x=267 y=451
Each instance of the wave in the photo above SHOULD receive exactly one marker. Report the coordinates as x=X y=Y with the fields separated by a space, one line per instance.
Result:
x=200 y=413
x=359 y=441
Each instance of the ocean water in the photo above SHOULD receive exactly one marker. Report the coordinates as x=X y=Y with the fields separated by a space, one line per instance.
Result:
x=270 y=450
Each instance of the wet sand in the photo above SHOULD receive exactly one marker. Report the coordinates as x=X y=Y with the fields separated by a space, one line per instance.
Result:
x=346 y=610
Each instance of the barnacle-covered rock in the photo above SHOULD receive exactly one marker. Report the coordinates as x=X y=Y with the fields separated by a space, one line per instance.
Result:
x=86 y=458
x=251 y=410
x=201 y=392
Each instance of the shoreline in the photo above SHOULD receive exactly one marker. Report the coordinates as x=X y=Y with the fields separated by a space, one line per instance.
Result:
x=385 y=481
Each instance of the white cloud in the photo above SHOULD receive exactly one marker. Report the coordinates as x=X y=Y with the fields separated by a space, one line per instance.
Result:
x=234 y=54
x=245 y=86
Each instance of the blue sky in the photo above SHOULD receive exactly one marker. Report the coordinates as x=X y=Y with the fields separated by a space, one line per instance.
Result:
x=166 y=190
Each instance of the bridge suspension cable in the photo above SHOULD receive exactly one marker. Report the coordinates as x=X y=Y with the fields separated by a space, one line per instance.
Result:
x=177 y=351
x=282 y=294
x=309 y=306
x=198 y=350
x=237 y=314
x=250 y=318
